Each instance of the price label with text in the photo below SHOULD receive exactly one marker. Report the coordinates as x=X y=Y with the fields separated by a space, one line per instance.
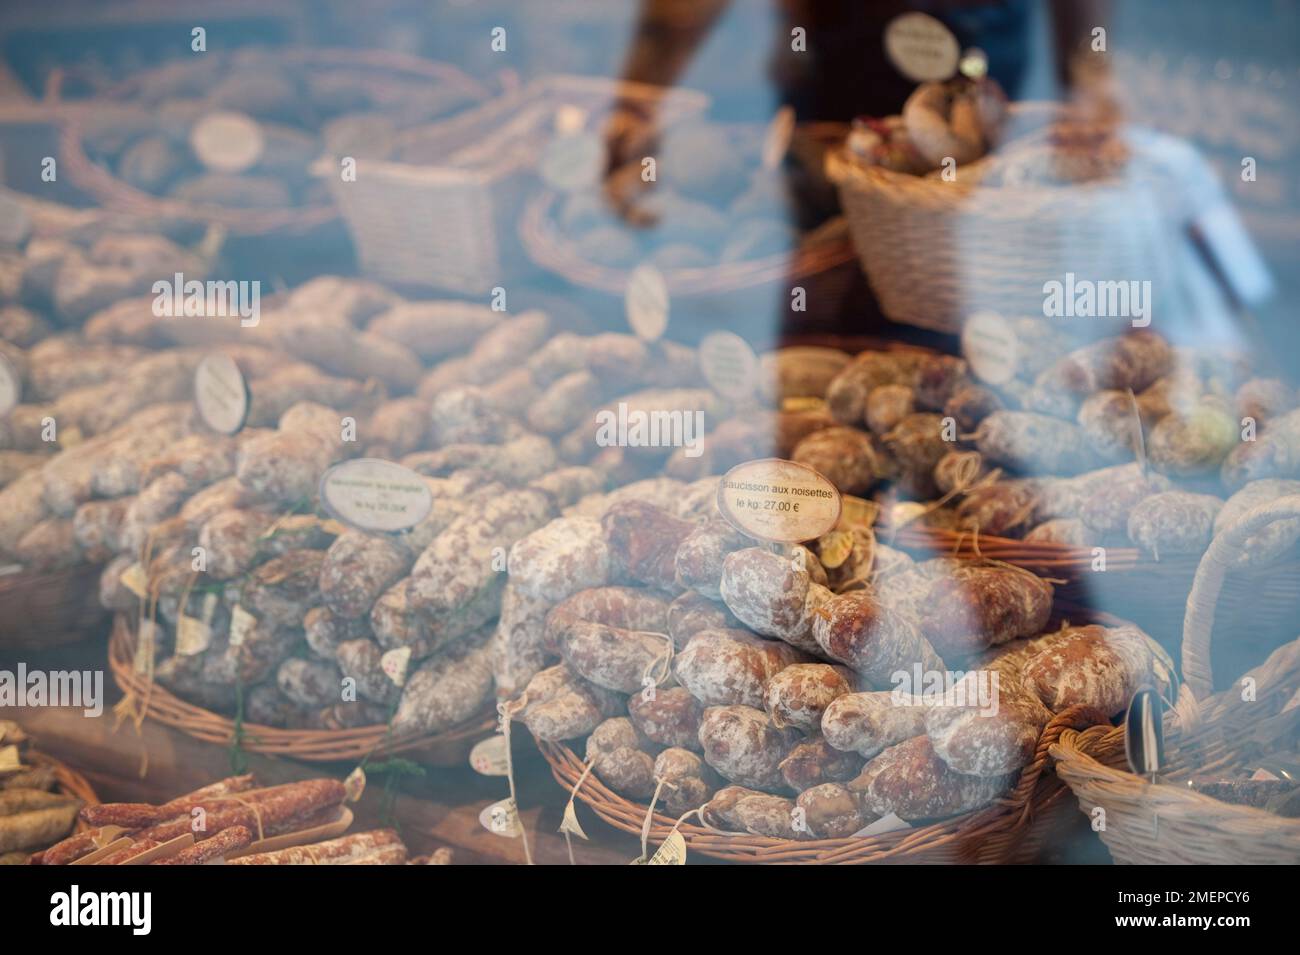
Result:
x=375 y=495
x=221 y=393
x=777 y=500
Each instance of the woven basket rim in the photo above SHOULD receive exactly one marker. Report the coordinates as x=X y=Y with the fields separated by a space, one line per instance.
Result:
x=67 y=779
x=552 y=250
x=309 y=744
x=1076 y=762
x=74 y=592
x=114 y=192
x=1048 y=555
x=1001 y=821
x=1090 y=762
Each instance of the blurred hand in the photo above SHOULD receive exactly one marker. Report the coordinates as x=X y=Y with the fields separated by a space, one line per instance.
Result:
x=631 y=134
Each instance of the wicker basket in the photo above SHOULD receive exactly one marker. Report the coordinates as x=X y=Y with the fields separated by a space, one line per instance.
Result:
x=703 y=296
x=1014 y=829
x=40 y=609
x=1258 y=603
x=446 y=224
x=1163 y=822
x=935 y=251
x=449 y=748
x=372 y=68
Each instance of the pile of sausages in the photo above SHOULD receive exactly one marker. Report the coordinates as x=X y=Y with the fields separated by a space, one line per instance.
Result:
x=225 y=818
x=732 y=677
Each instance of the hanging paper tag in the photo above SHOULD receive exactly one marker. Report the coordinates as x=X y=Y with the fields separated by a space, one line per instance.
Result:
x=729 y=365
x=776 y=143
x=776 y=500
x=501 y=818
x=491 y=757
x=9 y=759
x=209 y=607
x=886 y=823
x=192 y=636
x=221 y=393
x=646 y=303
x=570 y=822
x=242 y=623
x=394 y=663
x=227 y=141
x=672 y=852
x=375 y=495
x=136 y=580
x=921 y=48
x=146 y=642
x=355 y=784
x=991 y=347
x=802 y=404
x=858 y=512
x=10 y=386
x=833 y=549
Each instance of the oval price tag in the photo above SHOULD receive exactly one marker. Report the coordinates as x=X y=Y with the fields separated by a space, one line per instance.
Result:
x=375 y=495
x=777 y=500
x=729 y=365
x=501 y=818
x=921 y=48
x=991 y=347
x=491 y=756
x=10 y=387
x=646 y=302
x=227 y=141
x=221 y=393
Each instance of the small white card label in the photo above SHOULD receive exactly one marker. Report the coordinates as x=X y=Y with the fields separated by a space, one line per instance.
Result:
x=672 y=852
x=886 y=823
x=991 y=347
x=242 y=623
x=394 y=663
x=646 y=302
x=227 y=141
x=777 y=500
x=491 y=757
x=10 y=762
x=501 y=818
x=146 y=644
x=355 y=784
x=193 y=636
x=136 y=580
x=375 y=495
x=11 y=389
x=221 y=393
x=729 y=365
x=921 y=48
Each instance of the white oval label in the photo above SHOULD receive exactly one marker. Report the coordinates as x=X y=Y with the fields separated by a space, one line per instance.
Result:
x=221 y=393
x=777 y=500
x=921 y=47
x=375 y=495
x=491 y=756
x=646 y=302
x=501 y=818
x=227 y=141
x=729 y=365
x=991 y=347
x=394 y=663
x=10 y=386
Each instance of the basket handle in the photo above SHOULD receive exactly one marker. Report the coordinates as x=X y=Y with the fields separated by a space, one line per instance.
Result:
x=1198 y=623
